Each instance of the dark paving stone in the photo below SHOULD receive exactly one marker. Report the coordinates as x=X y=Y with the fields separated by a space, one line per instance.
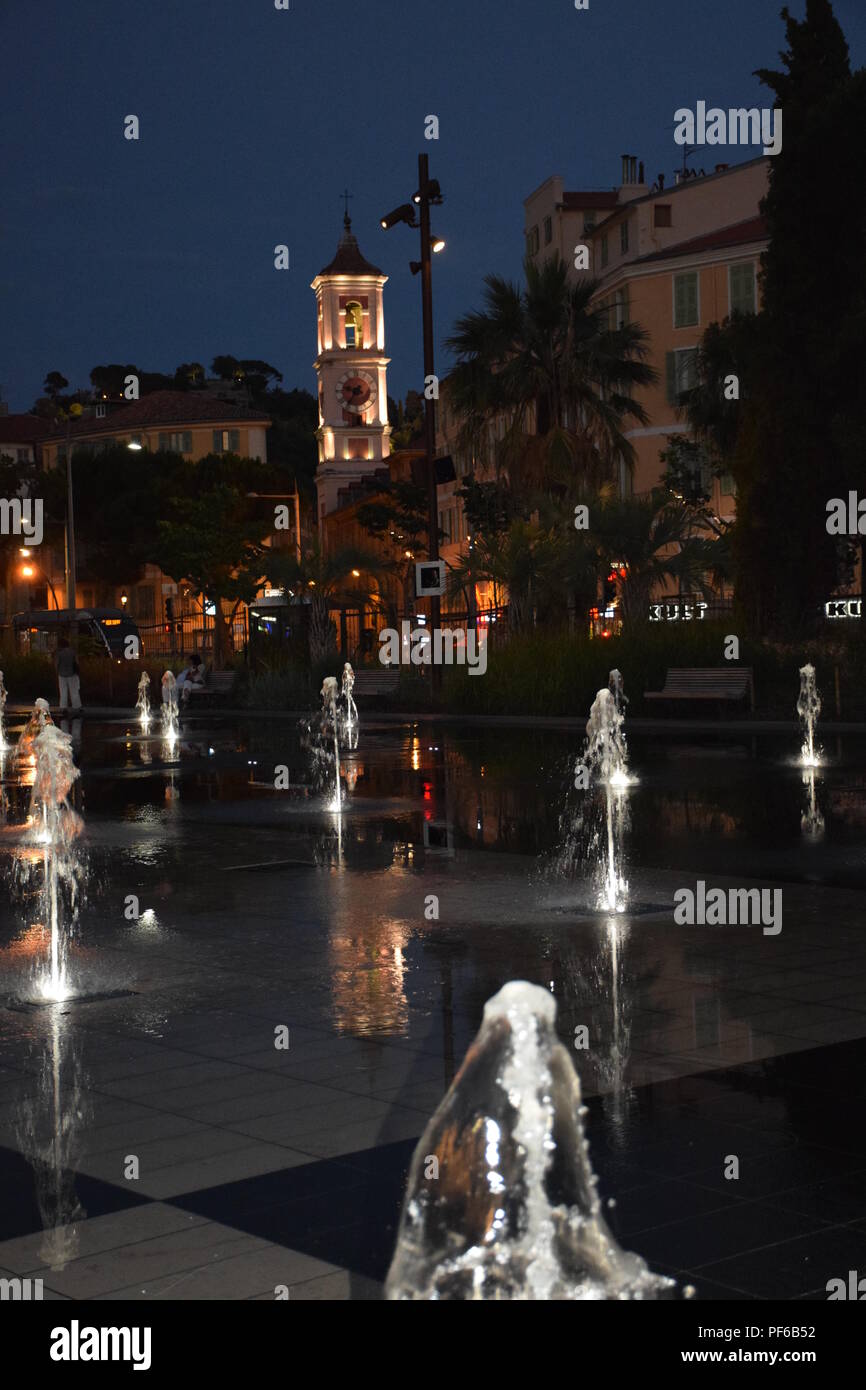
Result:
x=704 y=1240
x=796 y=1268
x=19 y=1208
x=344 y=1211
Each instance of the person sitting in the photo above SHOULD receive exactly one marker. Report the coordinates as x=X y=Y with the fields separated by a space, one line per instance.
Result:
x=191 y=676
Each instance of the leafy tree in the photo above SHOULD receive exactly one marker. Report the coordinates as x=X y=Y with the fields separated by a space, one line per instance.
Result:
x=54 y=384
x=189 y=376
x=326 y=578
x=213 y=538
x=797 y=437
x=544 y=359
x=398 y=518
x=110 y=380
x=656 y=538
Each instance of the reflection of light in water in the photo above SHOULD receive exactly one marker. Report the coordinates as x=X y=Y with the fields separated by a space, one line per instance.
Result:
x=808 y=708
x=49 y=1124
x=367 y=969
x=416 y=754
x=811 y=819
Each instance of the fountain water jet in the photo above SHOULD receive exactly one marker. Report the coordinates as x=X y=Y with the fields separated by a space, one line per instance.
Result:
x=329 y=719
x=351 y=714
x=514 y=1213
x=170 y=722
x=53 y=826
x=142 y=704
x=808 y=708
x=606 y=757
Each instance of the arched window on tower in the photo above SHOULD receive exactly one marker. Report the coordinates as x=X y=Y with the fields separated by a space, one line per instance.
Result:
x=354 y=325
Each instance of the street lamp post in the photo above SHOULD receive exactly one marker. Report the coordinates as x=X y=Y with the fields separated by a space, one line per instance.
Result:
x=428 y=194
x=74 y=409
x=429 y=406
x=31 y=565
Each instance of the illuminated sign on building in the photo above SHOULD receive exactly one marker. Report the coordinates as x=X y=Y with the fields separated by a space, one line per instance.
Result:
x=843 y=608
x=678 y=610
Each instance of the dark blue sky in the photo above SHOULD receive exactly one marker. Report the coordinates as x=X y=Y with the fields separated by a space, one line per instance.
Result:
x=253 y=120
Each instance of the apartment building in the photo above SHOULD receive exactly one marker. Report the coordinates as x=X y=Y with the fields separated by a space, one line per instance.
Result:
x=672 y=259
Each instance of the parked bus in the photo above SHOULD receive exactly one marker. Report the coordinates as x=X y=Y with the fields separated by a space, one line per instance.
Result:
x=103 y=630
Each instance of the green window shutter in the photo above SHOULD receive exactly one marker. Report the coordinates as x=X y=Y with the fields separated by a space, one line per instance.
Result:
x=235 y=441
x=685 y=300
x=743 y=288
x=186 y=442
x=217 y=441
x=687 y=373
x=671 y=377
x=164 y=442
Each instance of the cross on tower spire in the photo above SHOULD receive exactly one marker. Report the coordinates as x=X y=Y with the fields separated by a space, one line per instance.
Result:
x=347 y=221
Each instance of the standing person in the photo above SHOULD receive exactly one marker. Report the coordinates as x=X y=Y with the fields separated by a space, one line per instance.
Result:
x=68 y=676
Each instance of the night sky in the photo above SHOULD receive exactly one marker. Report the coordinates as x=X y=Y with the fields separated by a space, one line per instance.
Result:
x=252 y=122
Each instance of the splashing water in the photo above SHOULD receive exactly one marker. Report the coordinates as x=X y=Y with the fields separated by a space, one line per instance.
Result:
x=52 y=829
x=142 y=704
x=330 y=721
x=514 y=1213
x=808 y=709
x=350 y=716
x=170 y=723
x=3 y=696
x=606 y=757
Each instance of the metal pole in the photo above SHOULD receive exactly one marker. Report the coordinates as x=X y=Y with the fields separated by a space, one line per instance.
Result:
x=297 y=523
x=70 y=524
x=429 y=407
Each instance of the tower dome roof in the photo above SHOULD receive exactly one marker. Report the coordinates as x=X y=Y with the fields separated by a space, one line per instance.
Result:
x=349 y=260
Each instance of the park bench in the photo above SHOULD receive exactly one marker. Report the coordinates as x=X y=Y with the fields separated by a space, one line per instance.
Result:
x=376 y=682
x=216 y=685
x=706 y=683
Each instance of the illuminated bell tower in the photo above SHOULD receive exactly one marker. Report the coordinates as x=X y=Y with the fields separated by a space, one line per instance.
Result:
x=351 y=367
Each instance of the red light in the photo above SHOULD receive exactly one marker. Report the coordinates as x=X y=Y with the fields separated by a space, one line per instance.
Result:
x=428 y=791
x=605 y=632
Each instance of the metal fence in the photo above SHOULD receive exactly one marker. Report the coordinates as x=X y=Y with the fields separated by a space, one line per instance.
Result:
x=192 y=632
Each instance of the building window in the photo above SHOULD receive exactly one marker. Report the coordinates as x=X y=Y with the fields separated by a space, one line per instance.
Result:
x=548 y=230
x=181 y=443
x=603 y=252
x=224 y=442
x=741 y=288
x=686 y=300
x=662 y=215
x=588 y=223
x=532 y=242
x=354 y=325
x=618 y=314
x=623 y=236
x=681 y=373
x=727 y=485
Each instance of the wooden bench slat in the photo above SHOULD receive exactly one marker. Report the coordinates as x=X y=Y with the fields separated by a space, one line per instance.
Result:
x=704 y=683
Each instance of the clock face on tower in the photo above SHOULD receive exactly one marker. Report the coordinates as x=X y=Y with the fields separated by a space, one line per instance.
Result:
x=356 y=391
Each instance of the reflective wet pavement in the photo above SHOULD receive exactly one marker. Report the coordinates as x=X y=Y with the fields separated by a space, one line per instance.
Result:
x=258 y=909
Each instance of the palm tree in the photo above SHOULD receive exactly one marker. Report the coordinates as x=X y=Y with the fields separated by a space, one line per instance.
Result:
x=529 y=566
x=544 y=358
x=328 y=580
x=655 y=538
